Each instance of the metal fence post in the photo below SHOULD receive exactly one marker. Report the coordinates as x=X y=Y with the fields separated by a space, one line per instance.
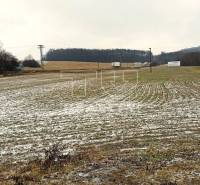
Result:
x=123 y=76
x=101 y=79
x=114 y=76
x=85 y=86
x=137 y=77
x=96 y=76
x=72 y=86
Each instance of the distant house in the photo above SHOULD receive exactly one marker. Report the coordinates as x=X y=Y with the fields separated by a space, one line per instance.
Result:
x=174 y=64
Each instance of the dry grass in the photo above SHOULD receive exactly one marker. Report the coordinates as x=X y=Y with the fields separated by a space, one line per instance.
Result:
x=68 y=65
x=64 y=65
x=74 y=66
x=96 y=165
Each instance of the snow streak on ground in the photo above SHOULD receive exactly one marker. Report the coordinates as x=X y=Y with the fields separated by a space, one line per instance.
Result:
x=39 y=110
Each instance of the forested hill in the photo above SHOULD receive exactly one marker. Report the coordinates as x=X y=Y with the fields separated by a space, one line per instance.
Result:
x=163 y=58
x=95 y=55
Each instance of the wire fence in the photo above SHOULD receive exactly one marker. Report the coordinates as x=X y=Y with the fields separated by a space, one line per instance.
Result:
x=99 y=79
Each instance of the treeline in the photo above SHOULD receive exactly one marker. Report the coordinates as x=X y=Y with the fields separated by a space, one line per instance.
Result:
x=186 y=58
x=191 y=59
x=164 y=58
x=95 y=55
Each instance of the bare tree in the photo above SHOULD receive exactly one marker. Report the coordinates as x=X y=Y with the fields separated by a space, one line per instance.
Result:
x=29 y=61
x=7 y=62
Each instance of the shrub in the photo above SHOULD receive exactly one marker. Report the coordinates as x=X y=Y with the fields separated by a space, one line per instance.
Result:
x=7 y=62
x=31 y=63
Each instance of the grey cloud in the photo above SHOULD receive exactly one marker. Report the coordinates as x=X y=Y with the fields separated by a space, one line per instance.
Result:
x=161 y=24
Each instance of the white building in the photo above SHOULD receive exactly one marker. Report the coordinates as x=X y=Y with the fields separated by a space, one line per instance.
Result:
x=116 y=64
x=174 y=64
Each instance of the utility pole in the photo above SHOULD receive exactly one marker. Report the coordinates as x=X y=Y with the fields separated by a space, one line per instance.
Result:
x=150 y=61
x=41 y=47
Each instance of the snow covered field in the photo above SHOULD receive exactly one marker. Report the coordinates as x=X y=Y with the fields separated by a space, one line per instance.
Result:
x=39 y=110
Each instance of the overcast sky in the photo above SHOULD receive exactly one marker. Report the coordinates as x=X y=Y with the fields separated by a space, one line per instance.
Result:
x=164 y=25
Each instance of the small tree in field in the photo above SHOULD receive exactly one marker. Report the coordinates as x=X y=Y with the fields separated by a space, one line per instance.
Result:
x=29 y=61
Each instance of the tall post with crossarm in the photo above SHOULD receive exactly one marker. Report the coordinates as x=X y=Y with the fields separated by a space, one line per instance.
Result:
x=41 y=47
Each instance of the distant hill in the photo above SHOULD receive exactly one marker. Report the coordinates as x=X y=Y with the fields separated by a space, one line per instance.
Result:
x=112 y=55
x=96 y=55
x=165 y=57
x=190 y=50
